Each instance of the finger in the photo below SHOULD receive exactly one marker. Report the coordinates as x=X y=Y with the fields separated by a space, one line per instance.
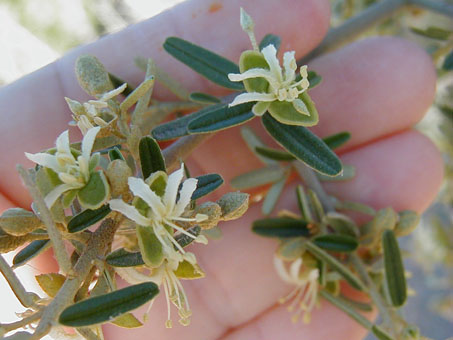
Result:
x=241 y=283
x=34 y=111
x=369 y=89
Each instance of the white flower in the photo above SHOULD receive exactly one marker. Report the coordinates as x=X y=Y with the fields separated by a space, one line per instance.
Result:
x=305 y=293
x=163 y=212
x=282 y=82
x=73 y=171
x=94 y=112
x=174 y=291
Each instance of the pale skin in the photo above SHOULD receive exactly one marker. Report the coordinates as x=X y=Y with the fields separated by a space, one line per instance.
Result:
x=377 y=89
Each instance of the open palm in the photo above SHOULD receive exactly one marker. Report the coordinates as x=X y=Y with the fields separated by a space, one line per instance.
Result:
x=377 y=89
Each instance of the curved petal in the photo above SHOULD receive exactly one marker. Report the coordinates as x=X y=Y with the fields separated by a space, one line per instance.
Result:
x=88 y=141
x=252 y=97
x=290 y=66
x=55 y=193
x=141 y=189
x=294 y=269
x=270 y=54
x=129 y=211
x=171 y=191
x=185 y=194
x=62 y=143
x=281 y=270
x=252 y=73
x=44 y=159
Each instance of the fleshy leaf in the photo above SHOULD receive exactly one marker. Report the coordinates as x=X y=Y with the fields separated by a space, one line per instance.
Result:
x=336 y=243
x=285 y=112
x=394 y=269
x=303 y=144
x=189 y=271
x=208 y=64
x=281 y=227
x=87 y=218
x=96 y=192
x=124 y=258
x=115 y=154
x=151 y=158
x=222 y=118
x=206 y=184
x=249 y=60
x=109 y=306
x=150 y=247
x=32 y=250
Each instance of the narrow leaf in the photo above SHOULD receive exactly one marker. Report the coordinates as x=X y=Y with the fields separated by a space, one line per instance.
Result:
x=448 y=62
x=337 y=140
x=178 y=127
x=258 y=177
x=303 y=144
x=270 y=39
x=222 y=118
x=87 y=218
x=208 y=64
x=203 y=98
x=123 y=258
x=281 y=227
x=151 y=158
x=32 y=250
x=206 y=184
x=380 y=333
x=274 y=154
x=109 y=306
x=115 y=154
x=314 y=79
x=394 y=269
x=432 y=32
x=273 y=195
x=337 y=243
x=347 y=174
x=253 y=141
x=336 y=265
x=303 y=204
x=127 y=320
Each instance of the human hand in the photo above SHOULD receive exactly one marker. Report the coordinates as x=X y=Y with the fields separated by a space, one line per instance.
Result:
x=376 y=89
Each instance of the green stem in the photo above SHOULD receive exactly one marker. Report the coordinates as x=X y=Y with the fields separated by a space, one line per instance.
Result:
x=21 y=323
x=97 y=246
x=27 y=299
x=54 y=234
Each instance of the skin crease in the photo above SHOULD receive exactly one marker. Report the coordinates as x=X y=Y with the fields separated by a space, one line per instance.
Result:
x=376 y=89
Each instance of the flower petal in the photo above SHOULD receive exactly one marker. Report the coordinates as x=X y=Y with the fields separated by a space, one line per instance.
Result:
x=129 y=211
x=260 y=108
x=253 y=73
x=270 y=54
x=62 y=143
x=281 y=270
x=141 y=189
x=44 y=159
x=289 y=63
x=294 y=269
x=88 y=141
x=171 y=191
x=252 y=97
x=185 y=194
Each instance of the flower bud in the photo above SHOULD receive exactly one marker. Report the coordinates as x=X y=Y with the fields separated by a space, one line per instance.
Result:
x=117 y=173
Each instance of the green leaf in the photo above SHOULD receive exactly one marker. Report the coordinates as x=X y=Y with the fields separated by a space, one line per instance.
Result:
x=432 y=32
x=32 y=250
x=115 y=154
x=380 y=333
x=258 y=177
x=394 y=269
x=270 y=39
x=222 y=118
x=208 y=64
x=448 y=62
x=109 y=306
x=342 y=224
x=337 y=243
x=50 y=283
x=285 y=113
x=253 y=141
x=203 y=98
x=336 y=265
x=185 y=240
x=314 y=79
x=151 y=158
x=292 y=248
x=127 y=320
x=337 y=140
x=303 y=144
x=281 y=227
x=150 y=246
x=347 y=174
x=87 y=218
x=96 y=192
x=123 y=258
x=206 y=184
x=304 y=204
x=178 y=127
x=273 y=195
x=253 y=59
x=188 y=271
x=274 y=154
